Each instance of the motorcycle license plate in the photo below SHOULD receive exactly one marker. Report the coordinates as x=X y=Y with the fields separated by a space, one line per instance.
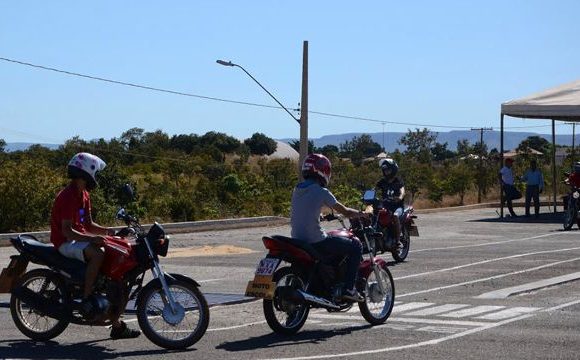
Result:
x=262 y=286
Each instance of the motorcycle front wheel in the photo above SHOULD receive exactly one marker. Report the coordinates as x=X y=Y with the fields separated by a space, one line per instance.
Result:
x=176 y=328
x=283 y=316
x=570 y=215
x=379 y=300
x=32 y=322
x=402 y=251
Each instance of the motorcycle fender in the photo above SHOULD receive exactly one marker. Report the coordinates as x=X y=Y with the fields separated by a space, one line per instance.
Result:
x=365 y=268
x=11 y=274
x=155 y=283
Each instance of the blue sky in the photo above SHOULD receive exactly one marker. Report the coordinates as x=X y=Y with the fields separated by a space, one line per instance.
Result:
x=439 y=62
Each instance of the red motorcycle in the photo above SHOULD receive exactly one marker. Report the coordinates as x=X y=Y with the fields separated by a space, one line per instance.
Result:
x=310 y=280
x=382 y=222
x=571 y=205
x=171 y=310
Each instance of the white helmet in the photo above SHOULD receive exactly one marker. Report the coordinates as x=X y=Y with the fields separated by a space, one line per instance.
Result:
x=389 y=167
x=85 y=166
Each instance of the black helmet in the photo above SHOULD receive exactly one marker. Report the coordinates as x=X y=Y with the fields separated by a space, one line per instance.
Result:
x=389 y=167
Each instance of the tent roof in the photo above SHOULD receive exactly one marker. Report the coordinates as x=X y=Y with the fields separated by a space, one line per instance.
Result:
x=558 y=103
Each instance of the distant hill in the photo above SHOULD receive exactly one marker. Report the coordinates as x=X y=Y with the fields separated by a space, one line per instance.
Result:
x=18 y=146
x=491 y=138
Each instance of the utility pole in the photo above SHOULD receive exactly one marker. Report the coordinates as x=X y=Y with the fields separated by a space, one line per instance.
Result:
x=573 y=141
x=480 y=177
x=303 y=111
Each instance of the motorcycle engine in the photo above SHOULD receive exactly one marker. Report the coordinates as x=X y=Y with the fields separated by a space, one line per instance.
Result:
x=100 y=307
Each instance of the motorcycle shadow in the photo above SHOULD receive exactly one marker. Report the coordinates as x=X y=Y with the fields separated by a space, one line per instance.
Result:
x=29 y=349
x=273 y=340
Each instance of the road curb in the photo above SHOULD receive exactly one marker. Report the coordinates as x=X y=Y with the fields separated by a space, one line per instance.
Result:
x=493 y=205
x=183 y=227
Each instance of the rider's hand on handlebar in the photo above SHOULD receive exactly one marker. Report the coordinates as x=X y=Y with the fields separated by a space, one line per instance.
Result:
x=98 y=240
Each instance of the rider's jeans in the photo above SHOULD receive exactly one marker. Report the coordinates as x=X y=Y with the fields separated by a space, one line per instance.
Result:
x=336 y=246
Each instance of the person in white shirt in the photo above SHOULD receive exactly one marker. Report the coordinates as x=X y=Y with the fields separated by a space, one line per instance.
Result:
x=534 y=186
x=506 y=178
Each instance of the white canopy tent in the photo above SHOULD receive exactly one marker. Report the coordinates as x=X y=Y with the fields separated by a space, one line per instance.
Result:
x=561 y=103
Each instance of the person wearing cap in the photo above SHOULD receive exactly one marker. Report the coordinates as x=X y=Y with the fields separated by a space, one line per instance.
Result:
x=506 y=178
x=534 y=186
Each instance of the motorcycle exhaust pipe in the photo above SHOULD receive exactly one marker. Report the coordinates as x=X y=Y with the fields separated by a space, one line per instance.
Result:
x=39 y=303
x=317 y=300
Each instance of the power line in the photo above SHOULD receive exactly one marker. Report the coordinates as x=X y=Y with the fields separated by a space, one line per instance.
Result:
x=247 y=103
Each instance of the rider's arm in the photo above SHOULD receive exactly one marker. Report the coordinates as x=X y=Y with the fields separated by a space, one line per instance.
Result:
x=72 y=234
x=97 y=229
x=346 y=211
x=402 y=196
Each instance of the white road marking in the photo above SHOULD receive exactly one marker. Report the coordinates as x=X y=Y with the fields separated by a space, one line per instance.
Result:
x=441 y=329
x=210 y=280
x=490 y=243
x=433 y=341
x=514 y=290
x=487 y=278
x=237 y=326
x=409 y=306
x=509 y=313
x=408 y=320
x=484 y=262
x=472 y=311
x=436 y=310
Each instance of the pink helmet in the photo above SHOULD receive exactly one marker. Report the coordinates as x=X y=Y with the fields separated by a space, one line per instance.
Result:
x=319 y=166
x=85 y=166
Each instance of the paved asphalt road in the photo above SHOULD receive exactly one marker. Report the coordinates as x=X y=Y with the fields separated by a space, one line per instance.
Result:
x=439 y=313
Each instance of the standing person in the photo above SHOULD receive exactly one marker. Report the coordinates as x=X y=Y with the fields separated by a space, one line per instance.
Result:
x=534 y=186
x=506 y=178
x=76 y=236
x=308 y=199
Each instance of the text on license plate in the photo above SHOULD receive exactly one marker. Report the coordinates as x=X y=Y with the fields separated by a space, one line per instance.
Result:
x=267 y=266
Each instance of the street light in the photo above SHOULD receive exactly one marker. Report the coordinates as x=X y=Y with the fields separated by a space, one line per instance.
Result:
x=229 y=63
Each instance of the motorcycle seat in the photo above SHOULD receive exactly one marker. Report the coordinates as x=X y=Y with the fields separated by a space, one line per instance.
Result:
x=46 y=254
x=301 y=244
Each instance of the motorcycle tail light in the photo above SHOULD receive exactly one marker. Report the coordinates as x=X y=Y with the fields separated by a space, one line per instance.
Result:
x=384 y=218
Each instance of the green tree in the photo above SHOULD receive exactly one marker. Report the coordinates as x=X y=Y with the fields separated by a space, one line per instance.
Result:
x=464 y=148
x=295 y=144
x=2 y=145
x=260 y=144
x=328 y=150
x=535 y=142
x=225 y=143
x=440 y=152
x=360 y=147
x=418 y=144
x=459 y=180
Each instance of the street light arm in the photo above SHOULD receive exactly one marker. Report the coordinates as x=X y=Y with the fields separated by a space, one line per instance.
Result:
x=229 y=63
x=266 y=90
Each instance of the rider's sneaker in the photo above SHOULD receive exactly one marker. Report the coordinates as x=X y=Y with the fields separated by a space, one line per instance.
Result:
x=353 y=295
x=124 y=332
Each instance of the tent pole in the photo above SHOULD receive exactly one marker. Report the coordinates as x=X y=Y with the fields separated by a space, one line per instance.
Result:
x=500 y=166
x=554 y=185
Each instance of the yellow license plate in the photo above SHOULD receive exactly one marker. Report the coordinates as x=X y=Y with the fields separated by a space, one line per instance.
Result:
x=261 y=287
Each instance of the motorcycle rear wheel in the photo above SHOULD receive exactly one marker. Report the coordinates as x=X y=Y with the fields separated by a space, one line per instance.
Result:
x=153 y=312
x=296 y=315
x=32 y=323
x=378 y=305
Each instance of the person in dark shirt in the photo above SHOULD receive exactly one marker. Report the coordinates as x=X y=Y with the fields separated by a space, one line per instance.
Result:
x=392 y=191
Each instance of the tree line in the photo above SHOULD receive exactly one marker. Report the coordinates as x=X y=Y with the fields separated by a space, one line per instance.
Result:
x=195 y=177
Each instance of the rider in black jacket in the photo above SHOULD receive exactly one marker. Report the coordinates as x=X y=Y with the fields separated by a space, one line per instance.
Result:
x=393 y=192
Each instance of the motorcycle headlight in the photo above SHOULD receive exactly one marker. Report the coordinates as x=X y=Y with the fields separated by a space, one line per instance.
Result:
x=576 y=195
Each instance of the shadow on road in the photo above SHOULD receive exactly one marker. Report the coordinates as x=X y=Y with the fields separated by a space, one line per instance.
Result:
x=28 y=349
x=270 y=341
x=547 y=218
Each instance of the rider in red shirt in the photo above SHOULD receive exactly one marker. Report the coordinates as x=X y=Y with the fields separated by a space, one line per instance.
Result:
x=74 y=233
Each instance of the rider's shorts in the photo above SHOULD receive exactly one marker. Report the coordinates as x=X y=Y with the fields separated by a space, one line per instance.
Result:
x=74 y=249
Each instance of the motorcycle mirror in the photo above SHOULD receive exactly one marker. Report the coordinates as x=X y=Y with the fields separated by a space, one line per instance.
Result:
x=369 y=195
x=128 y=191
x=121 y=214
